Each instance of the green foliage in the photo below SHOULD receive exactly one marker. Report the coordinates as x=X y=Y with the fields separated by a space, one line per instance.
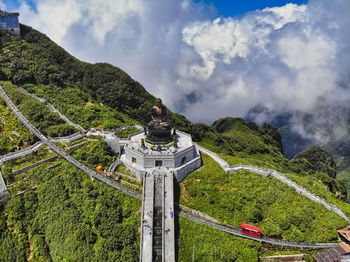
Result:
x=70 y=218
x=41 y=250
x=12 y=246
x=248 y=137
x=318 y=160
x=125 y=133
x=344 y=177
x=13 y=134
x=60 y=130
x=260 y=146
x=4 y=144
x=95 y=153
x=48 y=123
x=244 y=197
x=77 y=106
x=7 y=174
x=211 y=244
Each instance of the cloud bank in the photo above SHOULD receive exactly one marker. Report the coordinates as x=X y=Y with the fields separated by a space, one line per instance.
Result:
x=285 y=59
x=2 y=5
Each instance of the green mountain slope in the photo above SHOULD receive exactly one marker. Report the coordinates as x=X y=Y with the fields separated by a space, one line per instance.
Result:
x=105 y=221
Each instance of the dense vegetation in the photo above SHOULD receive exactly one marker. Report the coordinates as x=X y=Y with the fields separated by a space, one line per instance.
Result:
x=69 y=217
x=244 y=197
x=319 y=160
x=48 y=123
x=208 y=244
x=94 y=154
x=41 y=62
x=13 y=134
x=341 y=150
x=248 y=144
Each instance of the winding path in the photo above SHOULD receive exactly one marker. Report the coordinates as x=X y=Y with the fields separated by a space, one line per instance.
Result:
x=54 y=109
x=205 y=219
x=60 y=152
x=275 y=174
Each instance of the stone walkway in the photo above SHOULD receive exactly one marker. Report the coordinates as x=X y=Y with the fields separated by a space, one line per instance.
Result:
x=266 y=172
x=168 y=199
x=158 y=215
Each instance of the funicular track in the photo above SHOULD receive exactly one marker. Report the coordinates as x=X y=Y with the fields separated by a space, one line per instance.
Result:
x=153 y=218
x=188 y=215
x=158 y=218
x=146 y=250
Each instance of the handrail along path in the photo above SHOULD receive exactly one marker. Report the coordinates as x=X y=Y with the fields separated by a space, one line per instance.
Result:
x=202 y=220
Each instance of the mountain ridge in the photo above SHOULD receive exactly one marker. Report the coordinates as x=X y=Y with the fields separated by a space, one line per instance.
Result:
x=83 y=101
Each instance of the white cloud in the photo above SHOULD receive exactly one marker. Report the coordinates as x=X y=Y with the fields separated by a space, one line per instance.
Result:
x=308 y=52
x=97 y=17
x=287 y=59
x=280 y=16
x=2 y=5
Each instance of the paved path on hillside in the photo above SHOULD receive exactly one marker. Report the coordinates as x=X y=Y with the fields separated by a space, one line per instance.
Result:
x=21 y=153
x=146 y=245
x=54 y=109
x=60 y=152
x=157 y=222
x=67 y=139
x=275 y=174
x=3 y=188
x=29 y=150
x=197 y=218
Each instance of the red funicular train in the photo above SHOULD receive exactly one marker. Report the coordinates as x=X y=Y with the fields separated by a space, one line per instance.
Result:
x=251 y=230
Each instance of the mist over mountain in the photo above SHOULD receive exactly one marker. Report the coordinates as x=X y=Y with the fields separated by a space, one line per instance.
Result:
x=290 y=59
x=67 y=203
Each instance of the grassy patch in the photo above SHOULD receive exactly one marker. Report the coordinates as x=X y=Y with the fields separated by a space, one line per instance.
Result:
x=245 y=197
x=210 y=244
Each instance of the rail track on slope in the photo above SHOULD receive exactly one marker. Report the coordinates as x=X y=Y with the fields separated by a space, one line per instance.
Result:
x=196 y=218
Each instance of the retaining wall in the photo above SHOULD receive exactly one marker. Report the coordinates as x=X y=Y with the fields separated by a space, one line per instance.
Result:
x=54 y=109
x=22 y=153
x=23 y=169
x=67 y=139
x=3 y=189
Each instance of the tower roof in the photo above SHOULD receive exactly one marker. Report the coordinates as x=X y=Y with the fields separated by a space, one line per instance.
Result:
x=4 y=13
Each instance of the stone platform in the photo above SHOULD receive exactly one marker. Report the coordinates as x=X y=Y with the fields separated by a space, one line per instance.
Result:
x=180 y=159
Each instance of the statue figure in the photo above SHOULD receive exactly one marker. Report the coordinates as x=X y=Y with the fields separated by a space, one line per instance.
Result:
x=159 y=129
x=159 y=112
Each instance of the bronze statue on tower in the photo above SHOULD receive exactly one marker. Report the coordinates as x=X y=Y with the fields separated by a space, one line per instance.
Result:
x=159 y=129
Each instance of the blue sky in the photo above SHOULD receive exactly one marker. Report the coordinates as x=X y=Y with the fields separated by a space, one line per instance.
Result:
x=228 y=8
x=225 y=8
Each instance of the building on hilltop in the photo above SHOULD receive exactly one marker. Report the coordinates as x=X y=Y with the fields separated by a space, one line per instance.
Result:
x=180 y=159
x=9 y=22
x=344 y=234
x=339 y=253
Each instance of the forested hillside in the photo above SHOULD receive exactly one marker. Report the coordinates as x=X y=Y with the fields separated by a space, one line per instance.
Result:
x=70 y=217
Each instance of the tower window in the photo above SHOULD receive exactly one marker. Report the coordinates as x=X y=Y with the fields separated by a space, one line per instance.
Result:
x=133 y=159
x=159 y=163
